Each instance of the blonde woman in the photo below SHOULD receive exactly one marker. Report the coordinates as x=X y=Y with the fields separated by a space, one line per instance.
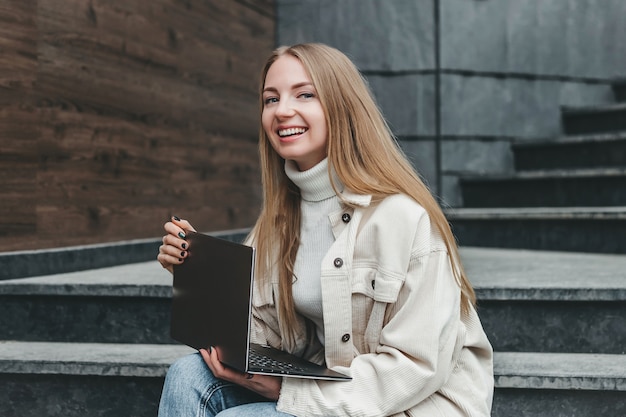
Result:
x=357 y=266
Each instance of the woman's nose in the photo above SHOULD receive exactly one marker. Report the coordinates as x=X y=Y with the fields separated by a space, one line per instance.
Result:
x=284 y=108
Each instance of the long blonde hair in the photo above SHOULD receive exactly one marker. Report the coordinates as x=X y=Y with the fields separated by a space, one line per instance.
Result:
x=365 y=156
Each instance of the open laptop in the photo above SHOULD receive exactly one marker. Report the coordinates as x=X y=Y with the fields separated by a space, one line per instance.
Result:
x=212 y=306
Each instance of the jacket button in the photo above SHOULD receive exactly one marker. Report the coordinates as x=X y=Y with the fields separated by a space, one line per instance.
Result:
x=345 y=337
x=373 y=284
x=338 y=262
x=345 y=218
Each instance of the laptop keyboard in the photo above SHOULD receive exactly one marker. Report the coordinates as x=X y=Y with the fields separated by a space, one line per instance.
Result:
x=265 y=364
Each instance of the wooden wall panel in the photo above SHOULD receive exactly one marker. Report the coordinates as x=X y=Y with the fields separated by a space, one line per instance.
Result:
x=18 y=119
x=141 y=109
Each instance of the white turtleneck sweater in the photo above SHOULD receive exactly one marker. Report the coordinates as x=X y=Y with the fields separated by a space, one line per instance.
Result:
x=316 y=237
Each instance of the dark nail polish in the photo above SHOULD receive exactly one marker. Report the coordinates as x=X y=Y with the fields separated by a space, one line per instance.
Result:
x=181 y=235
x=182 y=254
x=176 y=218
x=184 y=245
x=180 y=260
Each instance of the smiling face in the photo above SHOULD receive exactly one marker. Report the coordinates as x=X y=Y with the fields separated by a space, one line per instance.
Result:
x=292 y=115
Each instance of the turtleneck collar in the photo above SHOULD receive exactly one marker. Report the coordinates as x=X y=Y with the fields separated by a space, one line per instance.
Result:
x=313 y=183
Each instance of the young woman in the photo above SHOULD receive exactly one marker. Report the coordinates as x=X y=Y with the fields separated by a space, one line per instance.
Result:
x=357 y=266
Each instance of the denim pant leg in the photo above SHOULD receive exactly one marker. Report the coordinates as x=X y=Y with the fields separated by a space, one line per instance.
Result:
x=266 y=409
x=191 y=390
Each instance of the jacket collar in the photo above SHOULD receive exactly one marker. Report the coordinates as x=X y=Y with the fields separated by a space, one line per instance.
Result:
x=362 y=200
x=263 y=294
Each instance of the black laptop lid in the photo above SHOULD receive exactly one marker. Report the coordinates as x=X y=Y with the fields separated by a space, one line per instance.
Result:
x=212 y=297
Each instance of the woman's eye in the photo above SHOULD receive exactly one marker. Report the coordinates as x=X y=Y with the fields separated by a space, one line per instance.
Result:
x=270 y=100
x=307 y=95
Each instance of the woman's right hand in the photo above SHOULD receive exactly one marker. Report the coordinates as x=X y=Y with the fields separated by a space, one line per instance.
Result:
x=174 y=249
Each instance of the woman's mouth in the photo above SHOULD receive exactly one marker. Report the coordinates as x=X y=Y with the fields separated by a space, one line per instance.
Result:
x=291 y=131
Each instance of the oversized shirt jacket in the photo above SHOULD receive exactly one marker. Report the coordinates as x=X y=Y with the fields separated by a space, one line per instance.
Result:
x=392 y=321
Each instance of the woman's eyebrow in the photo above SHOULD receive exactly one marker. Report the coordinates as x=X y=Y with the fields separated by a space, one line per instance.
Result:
x=293 y=87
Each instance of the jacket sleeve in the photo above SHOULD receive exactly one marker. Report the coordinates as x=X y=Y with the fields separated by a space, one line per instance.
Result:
x=414 y=356
x=262 y=333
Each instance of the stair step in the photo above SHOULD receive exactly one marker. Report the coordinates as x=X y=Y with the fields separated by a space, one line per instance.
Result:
x=577 y=229
x=131 y=303
x=561 y=371
x=585 y=151
x=619 y=89
x=122 y=304
x=100 y=359
x=555 y=188
x=559 y=385
x=594 y=119
x=550 y=301
x=72 y=379
x=32 y=263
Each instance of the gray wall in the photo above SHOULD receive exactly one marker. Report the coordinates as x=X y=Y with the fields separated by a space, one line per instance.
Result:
x=464 y=78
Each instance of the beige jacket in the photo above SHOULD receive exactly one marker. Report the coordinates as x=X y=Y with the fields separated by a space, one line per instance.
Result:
x=392 y=321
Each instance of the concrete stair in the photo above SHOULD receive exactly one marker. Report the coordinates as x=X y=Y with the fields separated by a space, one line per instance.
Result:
x=535 y=301
x=567 y=194
x=83 y=379
x=553 y=384
x=582 y=120
x=572 y=152
x=579 y=229
x=555 y=188
x=94 y=341
x=557 y=322
x=551 y=297
x=97 y=341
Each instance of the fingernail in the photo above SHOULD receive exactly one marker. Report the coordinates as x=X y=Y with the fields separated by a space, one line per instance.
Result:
x=184 y=245
x=181 y=235
x=182 y=254
x=176 y=218
x=210 y=349
x=180 y=260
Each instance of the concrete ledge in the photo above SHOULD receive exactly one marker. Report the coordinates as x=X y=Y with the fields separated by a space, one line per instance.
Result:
x=517 y=274
x=76 y=258
x=578 y=173
x=562 y=371
x=580 y=229
x=606 y=108
x=541 y=143
x=590 y=119
x=497 y=274
x=103 y=359
x=531 y=213
x=144 y=279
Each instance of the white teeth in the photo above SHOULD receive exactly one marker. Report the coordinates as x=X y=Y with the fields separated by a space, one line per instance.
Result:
x=291 y=131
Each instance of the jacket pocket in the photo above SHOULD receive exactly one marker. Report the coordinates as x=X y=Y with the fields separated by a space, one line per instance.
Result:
x=376 y=284
x=376 y=290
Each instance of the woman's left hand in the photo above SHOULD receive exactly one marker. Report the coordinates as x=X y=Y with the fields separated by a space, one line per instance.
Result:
x=265 y=385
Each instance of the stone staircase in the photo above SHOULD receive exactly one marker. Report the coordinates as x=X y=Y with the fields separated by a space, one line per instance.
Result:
x=85 y=330
x=93 y=341
x=555 y=302
x=567 y=194
x=96 y=342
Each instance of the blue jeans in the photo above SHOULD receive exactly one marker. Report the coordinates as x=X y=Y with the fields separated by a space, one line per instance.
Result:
x=191 y=390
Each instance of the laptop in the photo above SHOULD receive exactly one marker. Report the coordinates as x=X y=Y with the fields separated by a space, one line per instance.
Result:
x=212 y=306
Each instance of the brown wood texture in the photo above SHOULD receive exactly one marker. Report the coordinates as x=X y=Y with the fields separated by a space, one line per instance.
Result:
x=116 y=114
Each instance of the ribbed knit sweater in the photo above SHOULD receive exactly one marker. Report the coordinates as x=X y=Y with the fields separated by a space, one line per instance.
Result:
x=316 y=237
